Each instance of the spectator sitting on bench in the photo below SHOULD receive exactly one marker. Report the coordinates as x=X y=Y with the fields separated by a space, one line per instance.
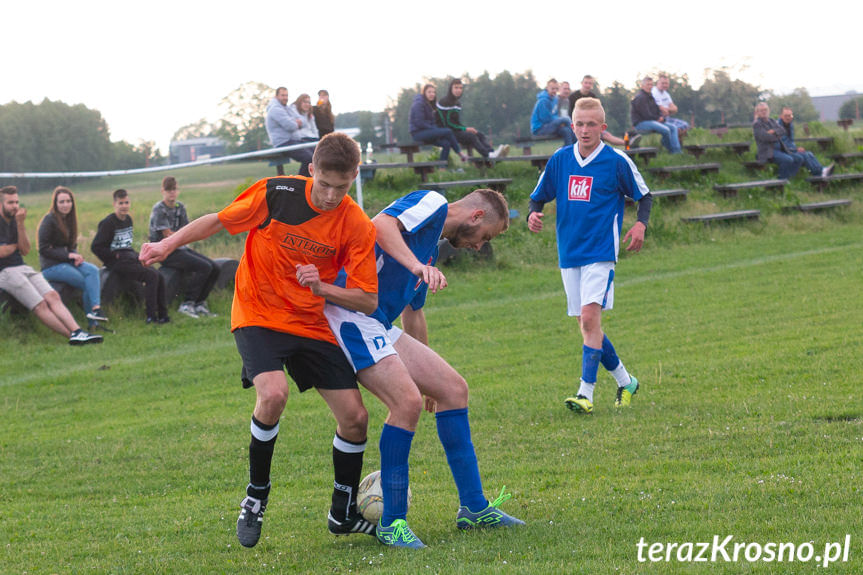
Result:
x=563 y=107
x=168 y=216
x=786 y=120
x=308 y=131
x=545 y=121
x=646 y=117
x=424 y=127
x=113 y=245
x=323 y=111
x=586 y=91
x=58 y=256
x=25 y=284
x=769 y=138
x=449 y=110
x=666 y=105
x=282 y=126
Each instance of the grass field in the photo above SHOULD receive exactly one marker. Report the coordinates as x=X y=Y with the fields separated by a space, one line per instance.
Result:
x=131 y=457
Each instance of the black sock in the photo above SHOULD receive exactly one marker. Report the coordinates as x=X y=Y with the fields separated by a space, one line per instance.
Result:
x=348 y=468
x=260 y=458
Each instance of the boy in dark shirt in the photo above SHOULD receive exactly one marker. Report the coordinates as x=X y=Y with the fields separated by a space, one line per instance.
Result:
x=113 y=245
x=168 y=216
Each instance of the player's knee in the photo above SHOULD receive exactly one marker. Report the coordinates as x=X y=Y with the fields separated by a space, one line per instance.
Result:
x=456 y=391
x=355 y=423
x=409 y=406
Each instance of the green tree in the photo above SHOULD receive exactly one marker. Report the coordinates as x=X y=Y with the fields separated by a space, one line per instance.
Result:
x=799 y=101
x=243 y=123
x=728 y=101
x=852 y=109
x=54 y=136
x=615 y=100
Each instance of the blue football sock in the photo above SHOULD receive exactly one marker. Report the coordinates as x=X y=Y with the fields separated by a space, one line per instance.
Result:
x=609 y=356
x=395 y=447
x=590 y=364
x=453 y=429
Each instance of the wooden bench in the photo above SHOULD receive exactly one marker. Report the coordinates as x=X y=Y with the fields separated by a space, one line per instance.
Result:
x=538 y=161
x=677 y=195
x=724 y=216
x=423 y=169
x=822 y=182
x=818 y=206
x=665 y=171
x=738 y=148
x=823 y=142
x=728 y=190
x=843 y=159
x=498 y=184
x=527 y=141
x=755 y=165
x=844 y=123
x=647 y=153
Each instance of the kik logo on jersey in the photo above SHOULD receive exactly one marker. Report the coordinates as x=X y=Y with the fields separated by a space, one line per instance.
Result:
x=579 y=188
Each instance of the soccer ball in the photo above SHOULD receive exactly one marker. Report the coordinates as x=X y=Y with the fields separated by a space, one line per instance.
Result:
x=370 y=497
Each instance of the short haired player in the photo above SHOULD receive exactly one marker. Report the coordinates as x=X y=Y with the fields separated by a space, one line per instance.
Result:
x=400 y=368
x=589 y=182
x=302 y=231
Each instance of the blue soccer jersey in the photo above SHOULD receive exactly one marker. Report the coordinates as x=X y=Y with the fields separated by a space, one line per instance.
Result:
x=422 y=213
x=590 y=200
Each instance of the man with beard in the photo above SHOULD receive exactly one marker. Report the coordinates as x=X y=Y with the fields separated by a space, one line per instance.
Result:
x=26 y=284
x=400 y=368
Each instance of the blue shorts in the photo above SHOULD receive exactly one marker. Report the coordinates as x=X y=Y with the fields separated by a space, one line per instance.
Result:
x=310 y=362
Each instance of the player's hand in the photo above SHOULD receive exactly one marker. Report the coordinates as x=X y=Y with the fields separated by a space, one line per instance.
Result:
x=299 y=122
x=20 y=214
x=433 y=277
x=430 y=404
x=534 y=221
x=152 y=253
x=309 y=276
x=76 y=258
x=635 y=236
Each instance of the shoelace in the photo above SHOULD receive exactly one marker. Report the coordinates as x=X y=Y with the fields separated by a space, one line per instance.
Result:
x=501 y=498
x=403 y=532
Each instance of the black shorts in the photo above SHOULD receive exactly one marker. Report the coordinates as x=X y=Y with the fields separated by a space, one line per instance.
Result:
x=310 y=362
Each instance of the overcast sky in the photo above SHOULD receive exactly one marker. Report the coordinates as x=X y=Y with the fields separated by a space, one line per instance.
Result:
x=152 y=67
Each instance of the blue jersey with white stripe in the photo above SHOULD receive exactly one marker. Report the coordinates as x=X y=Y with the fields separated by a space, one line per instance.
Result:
x=590 y=200
x=422 y=213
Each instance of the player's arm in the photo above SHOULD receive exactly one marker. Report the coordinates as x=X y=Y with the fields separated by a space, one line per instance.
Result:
x=389 y=238
x=351 y=298
x=197 y=230
x=635 y=235
x=535 y=215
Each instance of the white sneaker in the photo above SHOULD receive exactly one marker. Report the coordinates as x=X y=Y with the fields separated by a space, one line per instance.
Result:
x=827 y=170
x=504 y=151
x=203 y=311
x=188 y=308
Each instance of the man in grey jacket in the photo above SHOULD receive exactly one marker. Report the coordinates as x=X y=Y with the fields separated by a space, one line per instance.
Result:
x=769 y=136
x=283 y=123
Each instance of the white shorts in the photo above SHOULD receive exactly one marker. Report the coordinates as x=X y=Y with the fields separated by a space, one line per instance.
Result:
x=593 y=283
x=365 y=340
x=24 y=284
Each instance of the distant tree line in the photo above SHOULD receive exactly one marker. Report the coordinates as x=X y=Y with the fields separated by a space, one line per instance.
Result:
x=501 y=106
x=53 y=136
x=56 y=137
